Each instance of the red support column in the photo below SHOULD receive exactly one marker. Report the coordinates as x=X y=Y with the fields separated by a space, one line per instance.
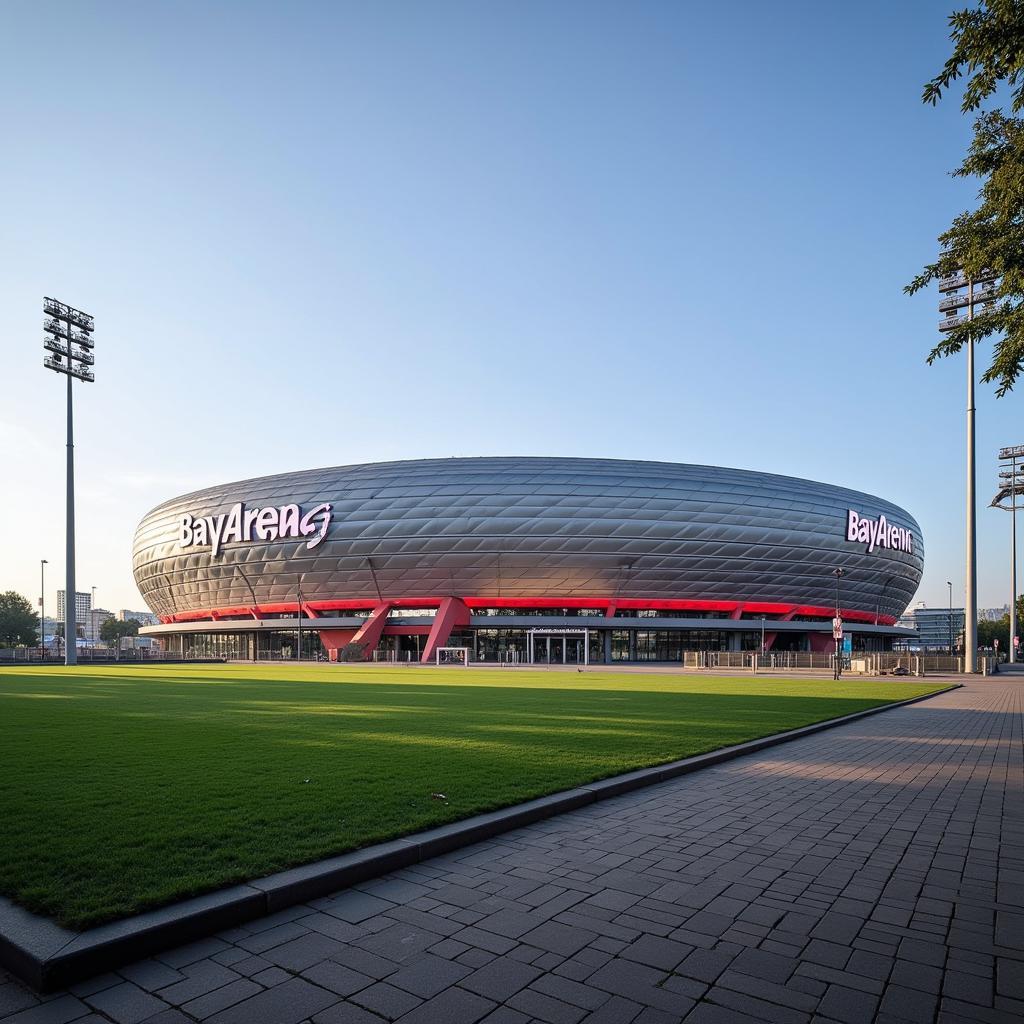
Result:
x=334 y=640
x=453 y=612
x=769 y=638
x=370 y=631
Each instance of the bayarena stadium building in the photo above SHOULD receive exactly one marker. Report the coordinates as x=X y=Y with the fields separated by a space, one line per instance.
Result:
x=542 y=560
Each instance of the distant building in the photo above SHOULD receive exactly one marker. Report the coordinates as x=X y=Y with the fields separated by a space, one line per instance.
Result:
x=142 y=618
x=96 y=619
x=83 y=606
x=993 y=614
x=939 y=629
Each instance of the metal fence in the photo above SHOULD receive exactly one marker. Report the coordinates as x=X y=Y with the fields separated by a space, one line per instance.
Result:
x=866 y=663
x=87 y=655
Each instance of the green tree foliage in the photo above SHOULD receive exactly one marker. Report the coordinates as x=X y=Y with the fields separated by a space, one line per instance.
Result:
x=111 y=630
x=19 y=623
x=988 y=48
x=991 y=630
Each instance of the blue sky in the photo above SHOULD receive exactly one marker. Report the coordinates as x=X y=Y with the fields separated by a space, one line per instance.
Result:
x=322 y=233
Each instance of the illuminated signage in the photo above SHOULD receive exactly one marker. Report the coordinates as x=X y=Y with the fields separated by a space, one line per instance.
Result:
x=243 y=524
x=878 y=533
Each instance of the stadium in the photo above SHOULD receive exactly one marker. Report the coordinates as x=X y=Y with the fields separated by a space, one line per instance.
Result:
x=531 y=560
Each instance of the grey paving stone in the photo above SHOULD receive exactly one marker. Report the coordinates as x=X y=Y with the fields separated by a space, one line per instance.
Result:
x=14 y=997
x=126 y=1003
x=151 y=974
x=558 y=938
x=908 y=1004
x=428 y=976
x=759 y=964
x=500 y=979
x=829 y=954
x=505 y=1015
x=270 y=937
x=616 y=1011
x=386 y=1000
x=545 y=1008
x=270 y=977
x=453 y=1006
x=770 y=991
x=304 y=951
x=354 y=906
x=848 y=1005
x=568 y=991
x=198 y=979
x=345 y=1013
x=337 y=978
x=755 y=1006
x=229 y=995
x=509 y=923
x=657 y=952
x=1010 y=978
x=289 y=1003
x=57 y=1011
x=364 y=962
x=477 y=958
x=704 y=964
x=184 y=955
x=916 y=976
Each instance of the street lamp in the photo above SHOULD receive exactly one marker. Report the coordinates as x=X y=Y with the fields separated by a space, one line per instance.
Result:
x=69 y=342
x=950 y=585
x=42 y=606
x=92 y=618
x=1011 y=482
x=837 y=625
x=298 y=586
x=978 y=291
x=762 y=635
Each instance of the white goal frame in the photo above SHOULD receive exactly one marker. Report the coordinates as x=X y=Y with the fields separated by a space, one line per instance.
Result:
x=449 y=650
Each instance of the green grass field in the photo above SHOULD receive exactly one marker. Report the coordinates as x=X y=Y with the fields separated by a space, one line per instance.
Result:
x=126 y=788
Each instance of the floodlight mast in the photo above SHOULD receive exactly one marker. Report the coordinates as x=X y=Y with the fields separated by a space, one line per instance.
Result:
x=1011 y=483
x=978 y=298
x=70 y=354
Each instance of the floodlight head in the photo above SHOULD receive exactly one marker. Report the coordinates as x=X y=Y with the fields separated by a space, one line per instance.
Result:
x=1016 y=452
x=66 y=328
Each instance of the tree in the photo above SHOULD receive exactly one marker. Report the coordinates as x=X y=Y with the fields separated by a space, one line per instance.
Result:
x=989 y=48
x=989 y=631
x=19 y=623
x=111 y=630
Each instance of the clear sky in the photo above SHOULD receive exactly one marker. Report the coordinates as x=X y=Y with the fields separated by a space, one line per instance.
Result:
x=323 y=233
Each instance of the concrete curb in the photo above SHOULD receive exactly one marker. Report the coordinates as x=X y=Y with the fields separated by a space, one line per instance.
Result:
x=48 y=956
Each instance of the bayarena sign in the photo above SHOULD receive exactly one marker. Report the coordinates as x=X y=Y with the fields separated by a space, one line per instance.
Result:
x=878 y=533
x=243 y=524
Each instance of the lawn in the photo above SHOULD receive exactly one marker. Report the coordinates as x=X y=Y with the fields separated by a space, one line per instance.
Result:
x=126 y=788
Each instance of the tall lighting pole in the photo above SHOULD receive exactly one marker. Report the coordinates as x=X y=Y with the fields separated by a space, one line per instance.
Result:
x=68 y=343
x=963 y=292
x=42 y=606
x=1011 y=483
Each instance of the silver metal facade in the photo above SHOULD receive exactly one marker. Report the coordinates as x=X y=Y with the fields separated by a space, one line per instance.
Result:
x=536 y=528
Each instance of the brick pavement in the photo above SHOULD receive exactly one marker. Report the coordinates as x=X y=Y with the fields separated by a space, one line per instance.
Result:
x=870 y=872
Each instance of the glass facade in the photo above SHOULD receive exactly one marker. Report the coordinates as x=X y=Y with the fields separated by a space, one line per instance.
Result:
x=556 y=613
x=552 y=644
x=271 y=645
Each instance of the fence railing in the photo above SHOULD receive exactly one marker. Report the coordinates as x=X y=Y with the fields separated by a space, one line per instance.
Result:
x=25 y=655
x=865 y=663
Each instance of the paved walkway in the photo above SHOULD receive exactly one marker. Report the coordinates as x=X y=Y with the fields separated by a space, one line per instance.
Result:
x=871 y=872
